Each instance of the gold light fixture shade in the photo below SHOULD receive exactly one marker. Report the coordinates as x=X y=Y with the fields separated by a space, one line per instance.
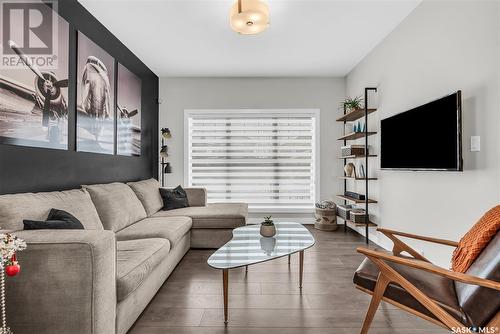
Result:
x=249 y=17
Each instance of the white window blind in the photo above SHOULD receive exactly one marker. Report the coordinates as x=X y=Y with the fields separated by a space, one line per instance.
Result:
x=266 y=158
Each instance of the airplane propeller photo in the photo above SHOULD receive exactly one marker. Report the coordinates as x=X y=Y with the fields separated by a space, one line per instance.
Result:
x=47 y=85
x=124 y=113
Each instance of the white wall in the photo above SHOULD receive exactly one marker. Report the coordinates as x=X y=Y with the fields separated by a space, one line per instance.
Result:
x=178 y=94
x=442 y=46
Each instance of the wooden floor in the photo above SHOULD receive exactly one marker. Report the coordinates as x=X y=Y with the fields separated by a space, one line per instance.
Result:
x=267 y=299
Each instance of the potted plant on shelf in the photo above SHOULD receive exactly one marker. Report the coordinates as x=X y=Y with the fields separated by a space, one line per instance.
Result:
x=352 y=103
x=267 y=228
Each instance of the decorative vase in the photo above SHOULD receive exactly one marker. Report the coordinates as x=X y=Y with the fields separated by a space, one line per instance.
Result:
x=267 y=231
x=350 y=170
x=350 y=109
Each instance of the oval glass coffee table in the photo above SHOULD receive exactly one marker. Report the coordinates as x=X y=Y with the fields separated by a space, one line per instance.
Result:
x=248 y=247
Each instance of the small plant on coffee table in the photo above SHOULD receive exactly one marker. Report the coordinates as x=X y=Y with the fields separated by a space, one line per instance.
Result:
x=267 y=228
x=268 y=221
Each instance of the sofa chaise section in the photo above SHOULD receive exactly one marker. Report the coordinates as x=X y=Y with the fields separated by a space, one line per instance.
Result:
x=216 y=215
x=212 y=224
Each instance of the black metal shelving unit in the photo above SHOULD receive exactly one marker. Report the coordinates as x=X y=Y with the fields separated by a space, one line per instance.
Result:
x=351 y=117
x=163 y=165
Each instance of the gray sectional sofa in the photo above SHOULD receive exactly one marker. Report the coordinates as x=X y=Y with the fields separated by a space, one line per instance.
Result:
x=99 y=280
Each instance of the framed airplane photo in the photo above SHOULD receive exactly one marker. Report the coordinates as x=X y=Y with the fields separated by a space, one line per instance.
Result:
x=95 y=116
x=34 y=79
x=128 y=113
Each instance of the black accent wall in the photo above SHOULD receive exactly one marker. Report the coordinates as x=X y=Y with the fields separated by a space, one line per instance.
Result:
x=29 y=169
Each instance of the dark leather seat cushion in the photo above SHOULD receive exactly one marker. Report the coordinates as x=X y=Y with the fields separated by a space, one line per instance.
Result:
x=441 y=289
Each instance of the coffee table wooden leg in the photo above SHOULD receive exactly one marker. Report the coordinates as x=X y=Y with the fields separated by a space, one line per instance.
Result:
x=225 y=283
x=301 y=267
x=289 y=257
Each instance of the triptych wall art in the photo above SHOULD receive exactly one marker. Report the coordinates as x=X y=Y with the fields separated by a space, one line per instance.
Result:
x=34 y=100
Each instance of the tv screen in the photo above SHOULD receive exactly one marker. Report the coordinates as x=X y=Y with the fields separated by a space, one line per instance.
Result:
x=428 y=137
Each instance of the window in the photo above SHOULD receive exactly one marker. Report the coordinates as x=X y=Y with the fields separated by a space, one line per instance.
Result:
x=266 y=158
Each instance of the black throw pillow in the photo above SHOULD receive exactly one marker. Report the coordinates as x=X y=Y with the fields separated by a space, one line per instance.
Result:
x=174 y=198
x=57 y=220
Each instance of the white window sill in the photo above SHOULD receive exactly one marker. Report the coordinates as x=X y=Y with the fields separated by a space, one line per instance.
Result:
x=272 y=210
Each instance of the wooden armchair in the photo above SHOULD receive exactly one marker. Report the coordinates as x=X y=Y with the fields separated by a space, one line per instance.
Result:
x=443 y=297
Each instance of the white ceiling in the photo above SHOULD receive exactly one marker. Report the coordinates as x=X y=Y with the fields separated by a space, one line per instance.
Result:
x=305 y=38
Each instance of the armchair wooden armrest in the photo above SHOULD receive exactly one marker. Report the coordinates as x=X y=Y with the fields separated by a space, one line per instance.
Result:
x=431 y=268
x=388 y=232
x=401 y=246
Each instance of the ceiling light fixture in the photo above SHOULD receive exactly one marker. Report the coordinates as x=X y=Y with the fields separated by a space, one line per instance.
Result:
x=249 y=17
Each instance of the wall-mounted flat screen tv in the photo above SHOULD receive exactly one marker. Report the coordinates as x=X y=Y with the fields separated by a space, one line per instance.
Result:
x=428 y=137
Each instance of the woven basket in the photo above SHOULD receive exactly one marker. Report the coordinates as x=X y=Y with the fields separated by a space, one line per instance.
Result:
x=325 y=219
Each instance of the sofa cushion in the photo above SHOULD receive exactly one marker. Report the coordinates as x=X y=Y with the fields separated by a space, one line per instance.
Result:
x=148 y=192
x=171 y=228
x=174 y=198
x=36 y=206
x=216 y=215
x=57 y=220
x=197 y=196
x=117 y=205
x=439 y=288
x=475 y=240
x=135 y=260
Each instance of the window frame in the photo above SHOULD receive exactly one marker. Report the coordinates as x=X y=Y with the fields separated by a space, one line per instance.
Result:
x=267 y=111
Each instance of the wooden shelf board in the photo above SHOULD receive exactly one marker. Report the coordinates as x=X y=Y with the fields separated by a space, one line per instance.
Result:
x=354 y=115
x=356 y=135
x=347 y=198
x=349 y=222
x=357 y=178
x=357 y=156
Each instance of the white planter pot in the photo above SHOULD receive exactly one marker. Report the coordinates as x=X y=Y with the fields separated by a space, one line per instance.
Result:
x=267 y=230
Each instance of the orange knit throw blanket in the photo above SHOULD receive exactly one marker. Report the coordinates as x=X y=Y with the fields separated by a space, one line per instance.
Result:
x=474 y=241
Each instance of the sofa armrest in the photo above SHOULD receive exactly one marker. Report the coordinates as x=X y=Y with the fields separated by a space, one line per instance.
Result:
x=196 y=196
x=67 y=283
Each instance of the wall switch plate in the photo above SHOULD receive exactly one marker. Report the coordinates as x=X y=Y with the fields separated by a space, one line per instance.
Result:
x=475 y=143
